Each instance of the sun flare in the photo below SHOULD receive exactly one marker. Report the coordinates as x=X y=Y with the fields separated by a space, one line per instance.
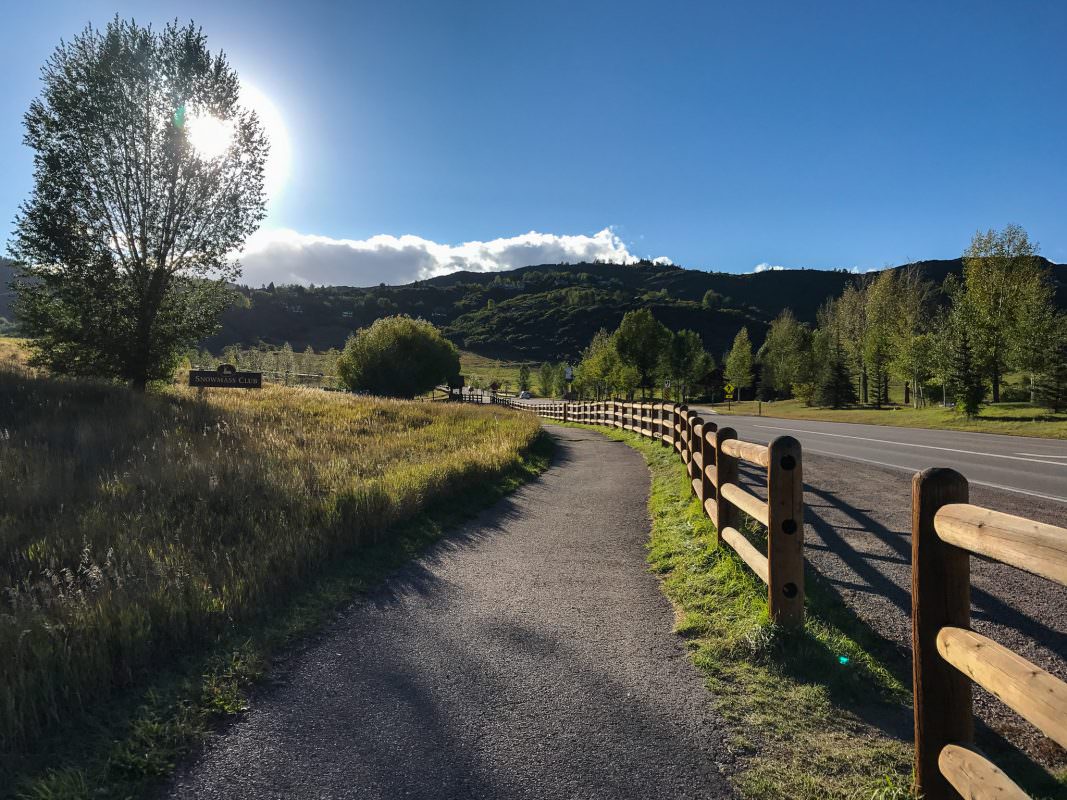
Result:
x=209 y=136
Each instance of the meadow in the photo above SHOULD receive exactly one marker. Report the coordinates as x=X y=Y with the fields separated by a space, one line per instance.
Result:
x=137 y=528
x=482 y=371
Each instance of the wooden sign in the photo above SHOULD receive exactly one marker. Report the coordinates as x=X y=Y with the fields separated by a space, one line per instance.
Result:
x=225 y=377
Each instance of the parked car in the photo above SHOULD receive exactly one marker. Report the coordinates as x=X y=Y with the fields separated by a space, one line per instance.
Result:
x=525 y=396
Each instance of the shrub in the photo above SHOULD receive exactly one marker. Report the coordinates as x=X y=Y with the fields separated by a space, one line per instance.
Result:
x=398 y=357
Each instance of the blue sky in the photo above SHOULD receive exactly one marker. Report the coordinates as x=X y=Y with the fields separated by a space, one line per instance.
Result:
x=719 y=135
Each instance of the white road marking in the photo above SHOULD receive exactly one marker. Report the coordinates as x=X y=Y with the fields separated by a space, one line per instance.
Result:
x=1042 y=455
x=913 y=470
x=910 y=444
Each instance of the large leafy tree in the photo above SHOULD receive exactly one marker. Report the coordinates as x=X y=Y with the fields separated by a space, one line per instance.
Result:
x=640 y=341
x=686 y=362
x=1007 y=290
x=597 y=372
x=786 y=355
x=398 y=357
x=739 y=362
x=124 y=240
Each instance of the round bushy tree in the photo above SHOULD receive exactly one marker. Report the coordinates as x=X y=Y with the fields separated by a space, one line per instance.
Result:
x=398 y=357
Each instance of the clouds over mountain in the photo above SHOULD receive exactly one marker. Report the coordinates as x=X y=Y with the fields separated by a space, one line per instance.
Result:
x=286 y=256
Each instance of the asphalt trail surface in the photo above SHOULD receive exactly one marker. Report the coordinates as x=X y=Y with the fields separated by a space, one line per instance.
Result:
x=529 y=655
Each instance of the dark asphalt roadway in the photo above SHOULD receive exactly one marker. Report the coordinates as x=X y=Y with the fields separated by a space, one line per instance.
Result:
x=1019 y=464
x=530 y=655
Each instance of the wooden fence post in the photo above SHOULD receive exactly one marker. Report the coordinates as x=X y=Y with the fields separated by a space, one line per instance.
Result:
x=940 y=596
x=726 y=516
x=672 y=420
x=683 y=434
x=661 y=427
x=707 y=459
x=785 y=532
x=698 y=469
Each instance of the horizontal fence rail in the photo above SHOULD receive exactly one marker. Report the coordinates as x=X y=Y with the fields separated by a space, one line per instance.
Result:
x=711 y=456
x=948 y=656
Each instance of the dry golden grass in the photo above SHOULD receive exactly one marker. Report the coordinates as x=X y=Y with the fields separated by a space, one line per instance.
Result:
x=134 y=527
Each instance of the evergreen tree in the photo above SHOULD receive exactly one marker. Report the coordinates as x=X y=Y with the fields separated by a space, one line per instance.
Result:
x=964 y=377
x=835 y=387
x=546 y=379
x=524 y=378
x=1052 y=385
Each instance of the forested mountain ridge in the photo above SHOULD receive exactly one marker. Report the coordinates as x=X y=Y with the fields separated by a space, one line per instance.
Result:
x=549 y=311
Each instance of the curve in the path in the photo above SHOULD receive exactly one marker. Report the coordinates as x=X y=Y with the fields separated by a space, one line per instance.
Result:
x=527 y=656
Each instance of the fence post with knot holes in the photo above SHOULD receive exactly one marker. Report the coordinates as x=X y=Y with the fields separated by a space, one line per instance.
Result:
x=707 y=461
x=696 y=477
x=726 y=515
x=785 y=532
x=684 y=433
x=940 y=597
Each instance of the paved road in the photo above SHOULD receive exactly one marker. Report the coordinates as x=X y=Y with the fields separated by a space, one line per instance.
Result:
x=527 y=656
x=1020 y=464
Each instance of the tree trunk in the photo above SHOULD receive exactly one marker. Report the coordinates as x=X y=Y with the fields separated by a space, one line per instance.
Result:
x=996 y=384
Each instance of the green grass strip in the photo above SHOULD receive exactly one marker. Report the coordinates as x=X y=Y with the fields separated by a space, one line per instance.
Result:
x=820 y=713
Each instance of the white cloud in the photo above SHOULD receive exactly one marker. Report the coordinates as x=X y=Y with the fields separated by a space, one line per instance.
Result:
x=765 y=267
x=286 y=256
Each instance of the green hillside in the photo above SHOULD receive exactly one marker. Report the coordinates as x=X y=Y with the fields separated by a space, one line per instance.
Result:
x=549 y=311
x=541 y=312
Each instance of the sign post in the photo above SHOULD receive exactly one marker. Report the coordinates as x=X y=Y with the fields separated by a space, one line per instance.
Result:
x=729 y=390
x=225 y=377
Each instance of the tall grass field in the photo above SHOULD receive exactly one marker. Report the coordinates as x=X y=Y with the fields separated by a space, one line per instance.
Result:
x=134 y=528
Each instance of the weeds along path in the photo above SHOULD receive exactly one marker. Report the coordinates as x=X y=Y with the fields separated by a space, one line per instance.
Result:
x=529 y=655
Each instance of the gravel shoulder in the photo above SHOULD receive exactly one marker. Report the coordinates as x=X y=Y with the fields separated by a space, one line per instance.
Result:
x=529 y=655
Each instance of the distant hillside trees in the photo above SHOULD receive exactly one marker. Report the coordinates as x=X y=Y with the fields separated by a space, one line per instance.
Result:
x=398 y=357
x=964 y=335
x=608 y=365
x=124 y=241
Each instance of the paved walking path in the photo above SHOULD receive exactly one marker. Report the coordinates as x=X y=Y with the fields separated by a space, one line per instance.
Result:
x=527 y=656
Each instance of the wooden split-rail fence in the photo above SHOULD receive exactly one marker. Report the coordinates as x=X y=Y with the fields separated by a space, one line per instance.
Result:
x=947 y=656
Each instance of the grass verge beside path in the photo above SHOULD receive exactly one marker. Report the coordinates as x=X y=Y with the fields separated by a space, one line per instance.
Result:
x=141 y=532
x=1012 y=419
x=822 y=713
